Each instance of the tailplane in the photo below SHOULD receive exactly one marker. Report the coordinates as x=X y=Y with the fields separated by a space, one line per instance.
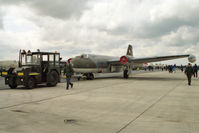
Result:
x=129 y=50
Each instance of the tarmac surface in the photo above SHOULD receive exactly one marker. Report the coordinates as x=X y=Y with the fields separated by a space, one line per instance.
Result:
x=156 y=102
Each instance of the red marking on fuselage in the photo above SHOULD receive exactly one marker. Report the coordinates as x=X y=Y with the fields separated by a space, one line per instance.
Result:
x=123 y=59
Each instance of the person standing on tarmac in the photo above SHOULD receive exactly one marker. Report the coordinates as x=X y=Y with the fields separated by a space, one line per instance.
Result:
x=125 y=73
x=189 y=72
x=174 y=68
x=181 y=68
x=195 y=69
x=68 y=71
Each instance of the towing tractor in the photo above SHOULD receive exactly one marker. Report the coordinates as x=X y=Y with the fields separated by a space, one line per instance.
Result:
x=34 y=68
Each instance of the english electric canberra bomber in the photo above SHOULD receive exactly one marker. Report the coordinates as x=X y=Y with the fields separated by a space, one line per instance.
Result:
x=87 y=64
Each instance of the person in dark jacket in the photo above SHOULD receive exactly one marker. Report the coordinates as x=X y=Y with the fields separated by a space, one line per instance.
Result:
x=181 y=68
x=125 y=73
x=195 y=69
x=189 y=72
x=68 y=71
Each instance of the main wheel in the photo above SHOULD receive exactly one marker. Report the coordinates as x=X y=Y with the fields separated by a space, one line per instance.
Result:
x=30 y=83
x=89 y=76
x=53 y=79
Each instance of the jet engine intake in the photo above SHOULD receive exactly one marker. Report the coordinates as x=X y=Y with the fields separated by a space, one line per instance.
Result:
x=191 y=58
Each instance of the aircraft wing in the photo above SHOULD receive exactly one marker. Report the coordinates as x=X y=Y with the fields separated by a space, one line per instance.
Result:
x=157 y=58
x=126 y=59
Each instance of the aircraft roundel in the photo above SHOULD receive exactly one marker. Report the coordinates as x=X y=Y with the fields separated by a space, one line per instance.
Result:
x=123 y=59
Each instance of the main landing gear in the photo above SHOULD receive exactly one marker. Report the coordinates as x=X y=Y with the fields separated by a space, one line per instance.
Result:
x=88 y=76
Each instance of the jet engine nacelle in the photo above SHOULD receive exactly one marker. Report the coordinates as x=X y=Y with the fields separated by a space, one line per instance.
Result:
x=192 y=58
x=125 y=59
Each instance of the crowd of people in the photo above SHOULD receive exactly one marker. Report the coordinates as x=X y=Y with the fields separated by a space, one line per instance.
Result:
x=189 y=70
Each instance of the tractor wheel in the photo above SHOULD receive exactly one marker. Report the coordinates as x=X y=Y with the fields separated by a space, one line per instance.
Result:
x=13 y=85
x=54 y=78
x=30 y=83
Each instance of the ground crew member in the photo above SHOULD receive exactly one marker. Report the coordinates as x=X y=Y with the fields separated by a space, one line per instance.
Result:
x=125 y=73
x=195 y=69
x=68 y=71
x=181 y=67
x=189 y=72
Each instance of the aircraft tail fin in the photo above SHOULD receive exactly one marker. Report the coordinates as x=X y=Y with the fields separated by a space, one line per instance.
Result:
x=129 y=50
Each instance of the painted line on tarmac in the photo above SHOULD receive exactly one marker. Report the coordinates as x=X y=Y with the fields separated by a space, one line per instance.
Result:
x=51 y=98
x=152 y=105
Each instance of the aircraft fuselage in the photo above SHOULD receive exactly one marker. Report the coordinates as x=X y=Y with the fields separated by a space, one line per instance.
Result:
x=88 y=63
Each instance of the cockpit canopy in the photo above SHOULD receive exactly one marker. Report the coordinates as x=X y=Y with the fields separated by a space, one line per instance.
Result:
x=84 y=56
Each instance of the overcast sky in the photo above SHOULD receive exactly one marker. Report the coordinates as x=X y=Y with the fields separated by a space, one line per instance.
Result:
x=73 y=27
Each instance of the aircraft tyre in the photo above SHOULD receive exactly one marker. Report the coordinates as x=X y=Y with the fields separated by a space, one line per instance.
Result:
x=89 y=76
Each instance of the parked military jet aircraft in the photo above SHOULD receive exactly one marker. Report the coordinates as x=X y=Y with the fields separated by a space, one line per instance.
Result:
x=87 y=64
